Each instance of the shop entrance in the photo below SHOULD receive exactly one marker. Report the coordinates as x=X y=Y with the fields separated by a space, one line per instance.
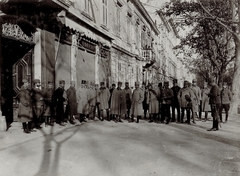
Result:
x=17 y=65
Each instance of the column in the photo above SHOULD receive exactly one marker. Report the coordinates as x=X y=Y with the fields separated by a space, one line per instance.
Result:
x=97 y=55
x=37 y=60
x=74 y=59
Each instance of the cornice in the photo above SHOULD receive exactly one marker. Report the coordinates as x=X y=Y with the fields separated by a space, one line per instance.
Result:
x=146 y=16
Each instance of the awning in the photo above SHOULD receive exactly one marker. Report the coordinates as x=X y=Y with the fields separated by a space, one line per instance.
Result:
x=89 y=34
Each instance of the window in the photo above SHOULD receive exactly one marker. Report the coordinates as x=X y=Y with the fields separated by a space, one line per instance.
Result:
x=87 y=6
x=129 y=30
x=118 y=25
x=105 y=10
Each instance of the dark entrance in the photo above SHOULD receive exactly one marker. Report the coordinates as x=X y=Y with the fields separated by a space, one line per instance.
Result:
x=17 y=64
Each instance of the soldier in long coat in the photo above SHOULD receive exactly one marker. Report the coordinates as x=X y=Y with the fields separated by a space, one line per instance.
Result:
x=205 y=106
x=25 y=113
x=60 y=100
x=215 y=102
x=118 y=108
x=175 y=103
x=185 y=91
x=137 y=99
x=72 y=102
x=153 y=96
x=128 y=95
x=38 y=103
x=197 y=93
x=49 y=104
x=83 y=98
x=104 y=96
x=166 y=96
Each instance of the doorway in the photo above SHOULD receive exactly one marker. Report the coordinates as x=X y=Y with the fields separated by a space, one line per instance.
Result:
x=17 y=65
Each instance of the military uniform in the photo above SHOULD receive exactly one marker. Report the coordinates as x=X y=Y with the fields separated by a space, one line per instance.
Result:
x=175 y=103
x=49 y=104
x=72 y=102
x=38 y=103
x=59 y=99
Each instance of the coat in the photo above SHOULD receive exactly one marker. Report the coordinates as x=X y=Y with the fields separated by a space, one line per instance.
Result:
x=48 y=99
x=167 y=96
x=214 y=95
x=59 y=99
x=25 y=110
x=38 y=102
x=104 y=96
x=196 y=98
x=137 y=99
x=205 y=100
x=153 y=97
x=83 y=97
x=128 y=97
x=226 y=96
x=181 y=96
x=118 y=105
x=175 y=90
x=72 y=101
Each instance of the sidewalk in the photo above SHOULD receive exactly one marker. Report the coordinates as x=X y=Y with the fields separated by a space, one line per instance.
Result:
x=15 y=135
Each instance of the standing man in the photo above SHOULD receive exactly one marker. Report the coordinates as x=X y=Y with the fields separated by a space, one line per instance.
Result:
x=183 y=102
x=153 y=96
x=25 y=114
x=83 y=98
x=128 y=95
x=175 y=103
x=117 y=108
x=103 y=100
x=197 y=92
x=48 y=99
x=160 y=87
x=137 y=99
x=59 y=100
x=72 y=102
x=214 y=102
x=205 y=106
x=109 y=102
x=38 y=103
x=167 y=96
x=226 y=98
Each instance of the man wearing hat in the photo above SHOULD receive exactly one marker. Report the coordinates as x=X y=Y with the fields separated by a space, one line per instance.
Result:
x=175 y=103
x=214 y=101
x=137 y=99
x=167 y=96
x=197 y=92
x=184 y=98
x=25 y=114
x=72 y=102
x=48 y=99
x=128 y=97
x=226 y=98
x=59 y=99
x=38 y=103
x=117 y=107
x=104 y=96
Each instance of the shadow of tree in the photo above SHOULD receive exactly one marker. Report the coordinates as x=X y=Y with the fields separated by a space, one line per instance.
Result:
x=50 y=166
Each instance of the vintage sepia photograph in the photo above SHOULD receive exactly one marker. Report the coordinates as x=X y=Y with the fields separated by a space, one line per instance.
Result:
x=119 y=87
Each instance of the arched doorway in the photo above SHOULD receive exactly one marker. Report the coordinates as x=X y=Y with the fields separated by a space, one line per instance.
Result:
x=16 y=64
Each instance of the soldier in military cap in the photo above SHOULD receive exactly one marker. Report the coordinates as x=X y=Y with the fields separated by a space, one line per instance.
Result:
x=166 y=96
x=175 y=103
x=117 y=99
x=128 y=96
x=38 y=103
x=72 y=102
x=104 y=96
x=48 y=99
x=137 y=99
x=59 y=99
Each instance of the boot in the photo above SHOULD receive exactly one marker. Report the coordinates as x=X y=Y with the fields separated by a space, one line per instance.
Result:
x=50 y=121
x=151 y=118
x=30 y=127
x=138 y=119
x=226 y=119
x=25 y=128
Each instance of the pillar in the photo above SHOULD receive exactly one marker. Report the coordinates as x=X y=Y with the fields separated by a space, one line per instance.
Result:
x=74 y=48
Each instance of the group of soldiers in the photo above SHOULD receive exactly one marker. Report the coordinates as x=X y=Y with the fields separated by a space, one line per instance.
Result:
x=47 y=105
